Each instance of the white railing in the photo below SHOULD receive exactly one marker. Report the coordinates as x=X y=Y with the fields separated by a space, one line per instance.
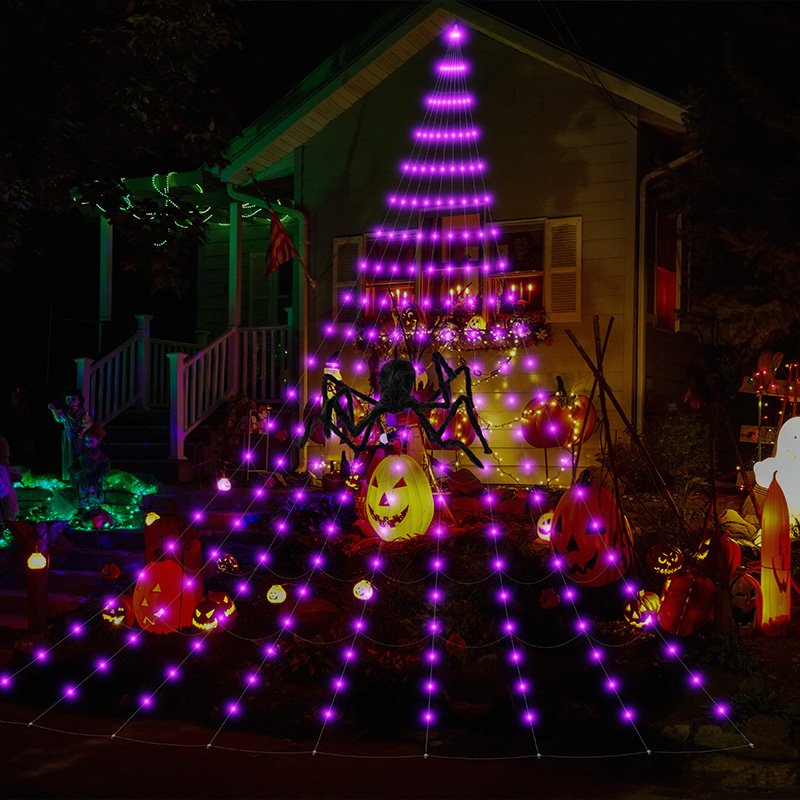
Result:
x=251 y=361
x=135 y=373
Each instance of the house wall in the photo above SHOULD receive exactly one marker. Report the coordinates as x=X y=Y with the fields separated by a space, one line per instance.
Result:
x=554 y=148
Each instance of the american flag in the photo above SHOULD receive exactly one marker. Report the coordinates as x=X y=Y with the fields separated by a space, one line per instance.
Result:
x=280 y=248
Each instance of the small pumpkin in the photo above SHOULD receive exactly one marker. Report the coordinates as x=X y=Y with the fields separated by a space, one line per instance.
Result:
x=225 y=605
x=119 y=611
x=111 y=571
x=664 y=559
x=590 y=534
x=206 y=615
x=746 y=597
x=561 y=419
x=642 y=610
x=399 y=501
x=544 y=526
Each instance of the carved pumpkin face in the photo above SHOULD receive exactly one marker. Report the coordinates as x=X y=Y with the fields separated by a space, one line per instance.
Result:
x=590 y=536
x=225 y=605
x=399 y=500
x=119 y=611
x=746 y=598
x=206 y=616
x=664 y=559
x=162 y=601
x=276 y=594
x=642 y=610
x=544 y=526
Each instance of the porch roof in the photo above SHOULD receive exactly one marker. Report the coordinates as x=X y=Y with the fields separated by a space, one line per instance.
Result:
x=265 y=148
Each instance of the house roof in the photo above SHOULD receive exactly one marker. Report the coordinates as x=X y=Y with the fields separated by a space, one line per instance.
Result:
x=265 y=147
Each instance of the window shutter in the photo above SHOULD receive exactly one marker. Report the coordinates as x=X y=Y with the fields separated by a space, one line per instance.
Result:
x=562 y=269
x=347 y=250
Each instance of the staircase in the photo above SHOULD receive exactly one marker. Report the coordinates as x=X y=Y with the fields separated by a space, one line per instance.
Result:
x=138 y=441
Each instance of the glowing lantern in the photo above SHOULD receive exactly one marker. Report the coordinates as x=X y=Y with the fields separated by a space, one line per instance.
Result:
x=687 y=602
x=775 y=562
x=151 y=517
x=205 y=617
x=363 y=590
x=276 y=594
x=560 y=420
x=664 y=559
x=224 y=484
x=544 y=526
x=119 y=611
x=642 y=610
x=228 y=563
x=590 y=534
x=162 y=602
x=225 y=605
x=399 y=499
x=37 y=560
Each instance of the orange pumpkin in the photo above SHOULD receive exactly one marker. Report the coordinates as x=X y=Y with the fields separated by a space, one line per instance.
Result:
x=558 y=420
x=399 y=501
x=162 y=602
x=590 y=535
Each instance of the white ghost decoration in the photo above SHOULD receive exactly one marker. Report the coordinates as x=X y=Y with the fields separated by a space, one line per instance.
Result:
x=785 y=465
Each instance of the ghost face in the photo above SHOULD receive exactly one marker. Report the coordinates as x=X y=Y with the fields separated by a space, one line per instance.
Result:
x=785 y=466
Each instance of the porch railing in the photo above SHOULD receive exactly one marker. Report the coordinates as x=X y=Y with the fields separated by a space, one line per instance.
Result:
x=191 y=379
x=251 y=361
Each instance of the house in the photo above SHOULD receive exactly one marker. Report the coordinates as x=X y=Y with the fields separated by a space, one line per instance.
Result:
x=569 y=155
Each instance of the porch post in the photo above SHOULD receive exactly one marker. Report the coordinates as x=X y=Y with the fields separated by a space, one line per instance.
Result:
x=177 y=405
x=106 y=276
x=235 y=265
x=143 y=359
x=83 y=382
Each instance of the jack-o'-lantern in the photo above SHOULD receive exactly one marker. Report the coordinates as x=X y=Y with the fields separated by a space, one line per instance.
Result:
x=399 y=499
x=119 y=611
x=276 y=594
x=664 y=559
x=687 y=602
x=225 y=605
x=590 y=534
x=206 y=615
x=642 y=610
x=228 y=563
x=363 y=590
x=544 y=526
x=558 y=420
x=162 y=600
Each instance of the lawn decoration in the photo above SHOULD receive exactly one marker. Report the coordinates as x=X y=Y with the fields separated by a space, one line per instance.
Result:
x=119 y=611
x=775 y=562
x=664 y=559
x=111 y=571
x=37 y=560
x=544 y=526
x=687 y=602
x=363 y=590
x=590 y=534
x=396 y=382
x=399 y=499
x=228 y=564
x=225 y=605
x=162 y=602
x=276 y=594
x=561 y=419
x=206 y=615
x=784 y=467
x=642 y=610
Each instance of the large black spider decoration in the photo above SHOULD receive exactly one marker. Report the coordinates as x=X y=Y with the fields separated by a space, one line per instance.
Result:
x=396 y=382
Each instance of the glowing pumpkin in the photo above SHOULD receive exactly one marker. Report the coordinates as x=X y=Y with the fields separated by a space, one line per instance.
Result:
x=746 y=598
x=399 y=500
x=664 y=559
x=687 y=602
x=775 y=562
x=206 y=615
x=590 y=535
x=558 y=420
x=276 y=594
x=225 y=605
x=544 y=526
x=642 y=610
x=162 y=600
x=119 y=611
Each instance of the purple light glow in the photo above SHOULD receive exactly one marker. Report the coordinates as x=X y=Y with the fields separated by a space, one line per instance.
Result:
x=529 y=718
x=721 y=710
x=612 y=684
x=70 y=692
x=145 y=701
x=198 y=645
x=695 y=679
x=77 y=629
x=101 y=665
x=233 y=709
x=449 y=101
x=5 y=682
x=172 y=673
x=628 y=715
x=338 y=684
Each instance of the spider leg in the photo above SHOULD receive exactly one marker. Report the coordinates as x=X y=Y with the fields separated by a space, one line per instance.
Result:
x=469 y=407
x=343 y=388
x=444 y=369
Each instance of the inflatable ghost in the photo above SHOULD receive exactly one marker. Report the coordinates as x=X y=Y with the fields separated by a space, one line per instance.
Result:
x=785 y=465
